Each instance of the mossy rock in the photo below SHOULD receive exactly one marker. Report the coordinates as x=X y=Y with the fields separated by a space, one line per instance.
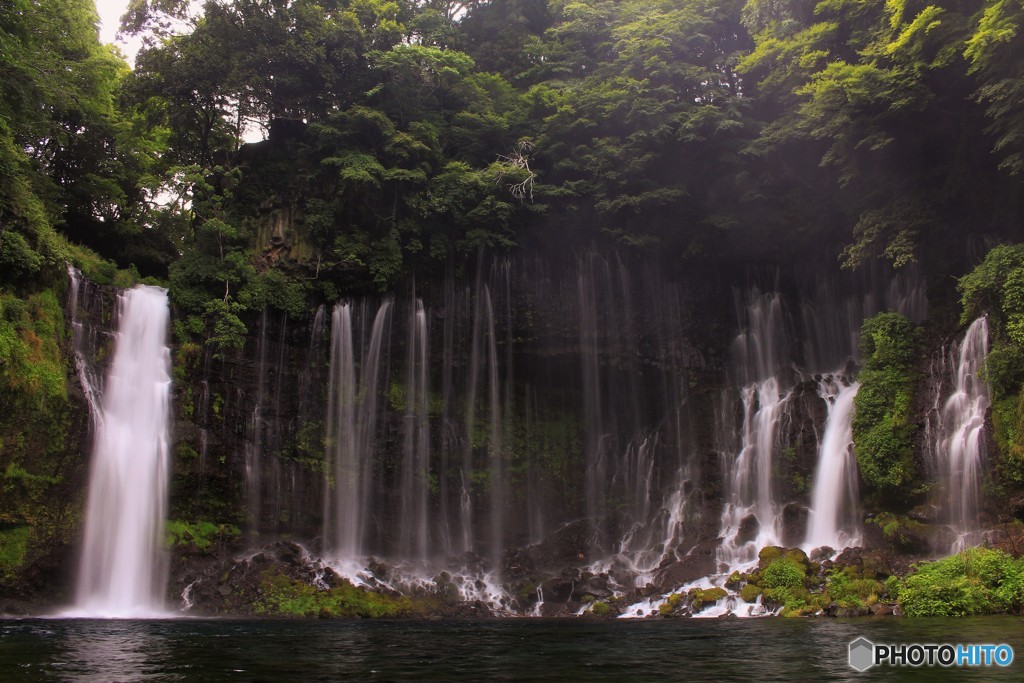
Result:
x=767 y=554
x=711 y=595
x=734 y=580
x=798 y=556
x=283 y=596
x=671 y=604
x=750 y=593
x=702 y=597
x=601 y=609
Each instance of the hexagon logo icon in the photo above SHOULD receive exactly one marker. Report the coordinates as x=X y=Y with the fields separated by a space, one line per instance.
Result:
x=862 y=654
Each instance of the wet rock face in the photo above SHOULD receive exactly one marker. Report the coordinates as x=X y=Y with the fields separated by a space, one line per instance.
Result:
x=700 y=562
x=794 y=524
x=804 y=421
x=749 y=526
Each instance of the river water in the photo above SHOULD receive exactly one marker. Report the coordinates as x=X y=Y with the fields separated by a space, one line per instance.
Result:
x=514 y=649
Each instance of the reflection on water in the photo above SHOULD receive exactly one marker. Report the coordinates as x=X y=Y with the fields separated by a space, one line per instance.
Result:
x=526 y=649
x=115 y=650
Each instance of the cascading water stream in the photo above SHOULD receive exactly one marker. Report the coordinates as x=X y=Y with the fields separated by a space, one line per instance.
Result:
x=79 y=339
x=959 y=444
x=123 y=571
x=352 y=414
x=415 y=486
x=833 y=520
x=752 y=519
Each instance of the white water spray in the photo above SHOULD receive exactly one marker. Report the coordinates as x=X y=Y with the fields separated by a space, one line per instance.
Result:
x=123 y=568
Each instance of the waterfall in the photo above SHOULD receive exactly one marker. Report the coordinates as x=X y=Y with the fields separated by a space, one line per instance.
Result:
x=352 y=414
x=122 y=571
x=254 y=432
x=495 y=450
x=415 y=484
x=752 y=519
x=83 y=345
x=833 y=516
x=596 y=443
x=959 y=446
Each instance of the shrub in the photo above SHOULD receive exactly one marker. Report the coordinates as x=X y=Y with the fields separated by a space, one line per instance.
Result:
x=977 y=581
x=851 y=592
x=882 y=428
x=782 y=573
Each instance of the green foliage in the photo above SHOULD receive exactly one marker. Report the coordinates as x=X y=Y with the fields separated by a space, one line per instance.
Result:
x=31 y=365
x=993 y=49
x=782 y=573
x=896 y=527
x=1008 y=430
x=281 y=596
x=976 y=581
x=995 y=288
x=843 y=588
x=882 y=424
x=201 y=535
x=1004 y=370
x=35 y=419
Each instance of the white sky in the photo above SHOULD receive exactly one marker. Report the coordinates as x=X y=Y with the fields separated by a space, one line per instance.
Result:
x=110 y=12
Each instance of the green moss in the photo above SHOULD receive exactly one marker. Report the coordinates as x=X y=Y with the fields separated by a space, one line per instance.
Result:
x=750 y=593
x=13 y=545
x=882 y=424
x=281 y=596
x=798 y=557
x=396 y=397
x=601 y=609
x=701 y=598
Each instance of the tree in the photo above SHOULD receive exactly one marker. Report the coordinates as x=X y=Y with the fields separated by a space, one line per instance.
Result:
x=996 y=52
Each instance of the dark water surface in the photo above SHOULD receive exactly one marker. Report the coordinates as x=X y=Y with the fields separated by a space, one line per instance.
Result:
x=521 y=649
